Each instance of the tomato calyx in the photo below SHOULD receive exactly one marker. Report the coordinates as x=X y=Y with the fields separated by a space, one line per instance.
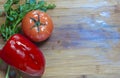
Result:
x=37 y=23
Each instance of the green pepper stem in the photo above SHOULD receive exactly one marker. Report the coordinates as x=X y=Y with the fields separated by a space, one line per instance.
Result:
x=8 y=70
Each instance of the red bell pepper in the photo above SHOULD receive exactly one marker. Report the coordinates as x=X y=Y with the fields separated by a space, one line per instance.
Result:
x=22 y=54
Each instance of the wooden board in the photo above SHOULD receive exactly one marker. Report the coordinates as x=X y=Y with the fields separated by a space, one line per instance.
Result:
x=85 y=42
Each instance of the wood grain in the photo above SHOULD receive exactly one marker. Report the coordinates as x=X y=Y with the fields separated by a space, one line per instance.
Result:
x=85 y=42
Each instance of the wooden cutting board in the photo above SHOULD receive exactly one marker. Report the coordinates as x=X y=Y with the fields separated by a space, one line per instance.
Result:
x=85 y=42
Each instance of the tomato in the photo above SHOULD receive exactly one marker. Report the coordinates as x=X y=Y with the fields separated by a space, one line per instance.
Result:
x=37 y=25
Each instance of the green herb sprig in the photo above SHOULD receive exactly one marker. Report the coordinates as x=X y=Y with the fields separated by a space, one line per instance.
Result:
x=14 y=15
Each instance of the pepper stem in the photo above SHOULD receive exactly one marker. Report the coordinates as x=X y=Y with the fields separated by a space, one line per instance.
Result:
x=8 y=70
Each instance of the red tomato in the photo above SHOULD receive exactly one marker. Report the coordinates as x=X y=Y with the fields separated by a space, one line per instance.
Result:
x=37 y=25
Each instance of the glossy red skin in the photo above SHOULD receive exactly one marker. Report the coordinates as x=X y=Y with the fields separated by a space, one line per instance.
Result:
x=22 y=54
x=44 y=30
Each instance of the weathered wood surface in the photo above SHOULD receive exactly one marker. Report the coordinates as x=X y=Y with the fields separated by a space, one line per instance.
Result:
x=85 y=42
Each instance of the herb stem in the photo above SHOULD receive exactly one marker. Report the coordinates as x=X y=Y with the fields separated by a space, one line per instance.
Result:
x=16 y=24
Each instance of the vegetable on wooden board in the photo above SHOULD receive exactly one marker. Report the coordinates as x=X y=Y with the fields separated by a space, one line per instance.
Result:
x=22 y=54
x=37 y=25
x=11 y=26
x=14 y=16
